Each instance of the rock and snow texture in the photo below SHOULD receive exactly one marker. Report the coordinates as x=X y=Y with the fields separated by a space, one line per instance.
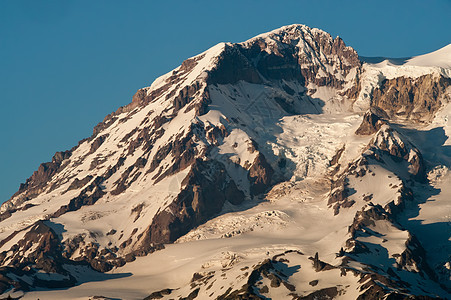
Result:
x=281 y=167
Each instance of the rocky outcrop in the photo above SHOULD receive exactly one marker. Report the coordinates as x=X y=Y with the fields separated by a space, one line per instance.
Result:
x=129 y=176
x=383 y=278
x=372 y=121
x=76 y=184
x=339 y=190
x=43 y=174
x=416 y=99
x=186 y=95
x=260 y=174
x=43 y=250
x=35 y=184
x=302 y=54
x=159 y=294
x=389 y=142
x=181 y=148
x=296 y=53
x=97 y=143
x=326 y=293
x=233 y=66
x=336 y=158
x=366 y=217
x=414 y=257
x=206 y=188
x=273 y=270
x=320 y=265
x=336 y=54
x=88 y=196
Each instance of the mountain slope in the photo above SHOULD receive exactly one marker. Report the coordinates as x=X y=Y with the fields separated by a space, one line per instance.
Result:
x=440 y=58
x=277 y=166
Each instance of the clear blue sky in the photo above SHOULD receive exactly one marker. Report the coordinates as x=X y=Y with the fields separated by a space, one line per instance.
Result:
x=64 y=65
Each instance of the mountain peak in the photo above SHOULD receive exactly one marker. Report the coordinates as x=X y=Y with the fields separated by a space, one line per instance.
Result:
x=261 y=140
x=293 y=31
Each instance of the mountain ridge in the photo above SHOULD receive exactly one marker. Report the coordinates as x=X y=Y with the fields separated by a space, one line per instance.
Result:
x=239 y=140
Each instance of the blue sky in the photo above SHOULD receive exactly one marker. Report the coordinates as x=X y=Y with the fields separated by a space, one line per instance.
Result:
x=64 y=65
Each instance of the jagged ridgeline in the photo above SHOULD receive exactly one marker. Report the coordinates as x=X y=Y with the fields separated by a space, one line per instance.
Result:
x=282 y=167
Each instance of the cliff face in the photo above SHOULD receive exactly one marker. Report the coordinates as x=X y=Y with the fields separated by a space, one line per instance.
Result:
x=206 y=148
x=416 y=99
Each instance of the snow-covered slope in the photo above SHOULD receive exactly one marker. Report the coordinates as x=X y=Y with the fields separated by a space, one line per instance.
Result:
x=277 y=167
x=440 y=58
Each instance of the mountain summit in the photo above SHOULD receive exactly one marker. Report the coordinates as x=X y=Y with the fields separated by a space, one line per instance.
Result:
x=278 y=167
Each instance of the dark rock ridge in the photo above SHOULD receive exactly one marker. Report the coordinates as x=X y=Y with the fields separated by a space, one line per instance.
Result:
x=320 y=265
x=207 y=188
x=88 y=196
x=385 y=146
x=392 y=275
x=34 y=185
x=45 y=255
x=389 y=142
x=395 y=280
x=275 y=270
x=372 y=121
x=232 y=67
x=274 y=275
x=260 y=175
x=300 y=54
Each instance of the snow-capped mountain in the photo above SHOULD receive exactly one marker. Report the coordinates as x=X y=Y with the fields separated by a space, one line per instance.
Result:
x=282 y=167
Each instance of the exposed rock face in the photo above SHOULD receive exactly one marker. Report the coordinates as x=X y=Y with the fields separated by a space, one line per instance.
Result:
x=44 y=254
x=186 y=95
x=260 y=175
x=413 y=257
x=372 y=121
x=233 y=66
x=207 y=187
x=97 y=143
x=257 y=283
x=37 y=181
x=158 y=294
x=312 y=51
x=412 y=98
x=182 y=149
x=48 y=253
x=88 y=196
x=390 y=142
x=386 y=144
x=76 y=184
x=293 y=54
x=319 y=265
